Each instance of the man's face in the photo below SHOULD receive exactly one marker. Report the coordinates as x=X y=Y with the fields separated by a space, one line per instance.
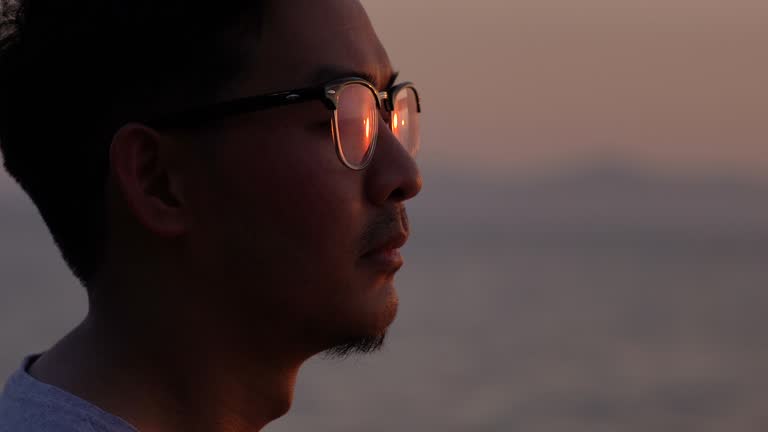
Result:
x=280 y=225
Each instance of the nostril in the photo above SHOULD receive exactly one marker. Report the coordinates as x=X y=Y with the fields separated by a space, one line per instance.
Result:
x=398 y=195
x=409 y=187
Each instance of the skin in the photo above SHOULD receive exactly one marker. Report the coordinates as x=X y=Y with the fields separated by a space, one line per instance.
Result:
x=238 y=252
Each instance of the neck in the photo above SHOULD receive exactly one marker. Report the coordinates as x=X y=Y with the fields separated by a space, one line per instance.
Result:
x=169 y=374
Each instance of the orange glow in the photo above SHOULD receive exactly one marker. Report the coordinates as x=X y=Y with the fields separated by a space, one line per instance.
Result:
x=367 y=127
x=395 y=122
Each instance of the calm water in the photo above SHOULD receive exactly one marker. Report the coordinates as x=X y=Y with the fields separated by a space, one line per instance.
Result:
x=518 y=325
x=591 y=338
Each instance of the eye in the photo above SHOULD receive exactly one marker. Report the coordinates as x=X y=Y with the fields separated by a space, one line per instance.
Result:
x=322 y=124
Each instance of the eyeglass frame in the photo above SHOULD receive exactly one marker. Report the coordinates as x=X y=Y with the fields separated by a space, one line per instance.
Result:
x=328 y=93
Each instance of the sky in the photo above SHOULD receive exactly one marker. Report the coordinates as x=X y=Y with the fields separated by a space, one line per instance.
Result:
x=522 y=86
x=525 y=87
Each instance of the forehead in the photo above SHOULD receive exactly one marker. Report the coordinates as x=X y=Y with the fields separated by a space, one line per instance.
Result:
x=302 y=40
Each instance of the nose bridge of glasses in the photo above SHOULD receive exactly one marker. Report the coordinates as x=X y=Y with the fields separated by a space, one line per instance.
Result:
x=386 y=102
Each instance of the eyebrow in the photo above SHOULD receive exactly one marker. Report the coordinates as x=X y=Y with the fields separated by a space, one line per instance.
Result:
x=328 y=73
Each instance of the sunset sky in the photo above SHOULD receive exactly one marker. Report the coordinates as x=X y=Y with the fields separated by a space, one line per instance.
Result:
x=518 y=86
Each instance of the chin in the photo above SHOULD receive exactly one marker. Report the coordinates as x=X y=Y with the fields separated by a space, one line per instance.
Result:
x=359 y=345
x=382 y=311
x=366 y=329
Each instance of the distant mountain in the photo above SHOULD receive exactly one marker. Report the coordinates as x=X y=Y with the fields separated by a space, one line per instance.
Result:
x=596 y=198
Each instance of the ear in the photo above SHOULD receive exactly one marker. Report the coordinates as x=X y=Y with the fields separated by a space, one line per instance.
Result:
x=145 y=168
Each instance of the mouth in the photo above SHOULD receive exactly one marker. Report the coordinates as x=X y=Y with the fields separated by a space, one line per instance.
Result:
x=386 y=256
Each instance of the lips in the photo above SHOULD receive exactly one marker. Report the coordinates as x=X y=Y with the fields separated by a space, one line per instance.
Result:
x=385 y=256
x=382 y=239
x=392 y=242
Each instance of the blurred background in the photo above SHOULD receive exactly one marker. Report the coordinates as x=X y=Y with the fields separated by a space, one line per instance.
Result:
x=590 y=250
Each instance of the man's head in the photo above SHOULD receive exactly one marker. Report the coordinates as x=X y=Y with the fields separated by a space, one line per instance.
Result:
x=249 y=223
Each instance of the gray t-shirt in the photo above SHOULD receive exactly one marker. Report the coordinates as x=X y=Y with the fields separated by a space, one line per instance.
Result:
x=29 y=405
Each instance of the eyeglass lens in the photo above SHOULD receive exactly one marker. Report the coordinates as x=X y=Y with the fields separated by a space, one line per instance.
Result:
x=405 y=120
x=357 y=122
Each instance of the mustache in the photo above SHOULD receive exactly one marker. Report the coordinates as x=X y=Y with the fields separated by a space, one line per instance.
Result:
x=385 y=226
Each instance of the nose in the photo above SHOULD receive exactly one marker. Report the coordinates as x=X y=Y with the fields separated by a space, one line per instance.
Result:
x=393 y=175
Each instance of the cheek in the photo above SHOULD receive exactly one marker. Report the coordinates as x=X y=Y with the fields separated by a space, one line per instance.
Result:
x=279 y=237
x=287 y=213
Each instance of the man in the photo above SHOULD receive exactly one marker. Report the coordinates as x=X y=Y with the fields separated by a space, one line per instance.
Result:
x=226 y=179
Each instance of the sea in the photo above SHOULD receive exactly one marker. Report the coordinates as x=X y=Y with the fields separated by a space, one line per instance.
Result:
x=598 y=300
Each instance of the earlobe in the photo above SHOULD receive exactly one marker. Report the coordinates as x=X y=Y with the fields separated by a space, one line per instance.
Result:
x=143 y=171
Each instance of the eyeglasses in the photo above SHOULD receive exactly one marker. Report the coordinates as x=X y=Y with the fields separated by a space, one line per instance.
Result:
x=354 y=102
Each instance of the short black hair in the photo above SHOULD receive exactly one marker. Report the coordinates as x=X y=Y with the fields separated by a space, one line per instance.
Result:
x=72 y=72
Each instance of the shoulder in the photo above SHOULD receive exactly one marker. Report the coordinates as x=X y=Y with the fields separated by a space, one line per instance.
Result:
x=25 y=414
x=28 y=405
